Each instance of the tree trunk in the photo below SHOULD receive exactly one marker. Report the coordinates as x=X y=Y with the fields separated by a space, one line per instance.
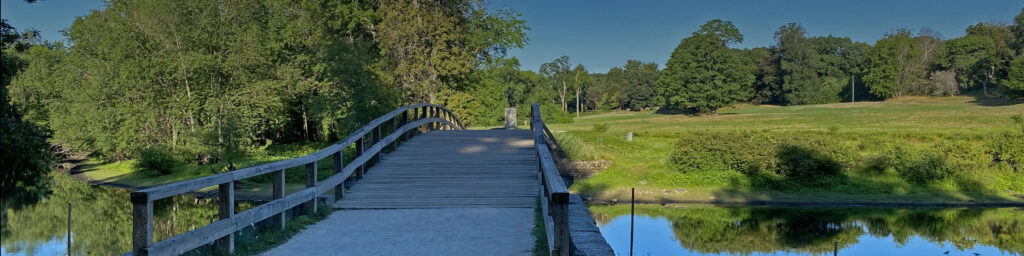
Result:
x=305 y=124
x=853 y=89
x=561 y=96
x=577 y=102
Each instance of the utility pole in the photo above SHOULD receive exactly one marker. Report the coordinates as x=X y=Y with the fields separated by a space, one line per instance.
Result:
x=853 y=89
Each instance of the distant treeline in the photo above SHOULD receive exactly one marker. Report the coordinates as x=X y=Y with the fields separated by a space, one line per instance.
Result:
x=704 y=73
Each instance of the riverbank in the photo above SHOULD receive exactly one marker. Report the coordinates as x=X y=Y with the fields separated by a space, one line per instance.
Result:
x=916 y=151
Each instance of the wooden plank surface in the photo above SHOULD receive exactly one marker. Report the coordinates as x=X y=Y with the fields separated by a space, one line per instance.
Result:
x=451 y=169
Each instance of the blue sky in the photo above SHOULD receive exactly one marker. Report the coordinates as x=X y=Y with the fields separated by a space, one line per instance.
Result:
x=604 y=34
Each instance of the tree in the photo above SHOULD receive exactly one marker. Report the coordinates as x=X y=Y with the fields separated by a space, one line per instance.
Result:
x=703 y=74
x=640 y=85
x=969 y=57
x=559 y=74
x=797 y=67
x=1015 y=77
x=581 y=81
x=891 y=66
x=431 y=45
x=25 y=152
x=995 y=66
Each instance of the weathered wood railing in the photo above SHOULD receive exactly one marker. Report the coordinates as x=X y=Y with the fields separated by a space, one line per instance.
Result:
x=554 y=196
x=401 y=123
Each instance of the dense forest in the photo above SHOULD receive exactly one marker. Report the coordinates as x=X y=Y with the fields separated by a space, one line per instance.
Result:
x=207 y=81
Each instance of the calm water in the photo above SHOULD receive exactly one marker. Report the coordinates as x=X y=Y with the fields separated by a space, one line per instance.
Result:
x=757 y=230
x=101 y=220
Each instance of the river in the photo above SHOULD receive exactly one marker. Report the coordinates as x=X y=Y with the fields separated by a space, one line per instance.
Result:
x=695 y=229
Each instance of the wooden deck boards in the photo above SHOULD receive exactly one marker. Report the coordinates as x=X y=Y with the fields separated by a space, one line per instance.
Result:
x=451 y=169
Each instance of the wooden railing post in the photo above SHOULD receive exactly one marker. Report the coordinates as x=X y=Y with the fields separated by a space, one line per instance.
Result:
x=226 y=209
x=359 y=152
x=394 y=126
x=405 y=120
x=311 y=182
x=142 y=223
x=376 y=139
x=278 y=177
x=339 y=190
x=560 y=217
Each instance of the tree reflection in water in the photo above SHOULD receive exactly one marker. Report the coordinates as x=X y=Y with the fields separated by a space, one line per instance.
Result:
x=101 y=219
x=816 y=230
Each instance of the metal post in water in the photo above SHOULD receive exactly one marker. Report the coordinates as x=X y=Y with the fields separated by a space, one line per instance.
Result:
x=69 y=229
x=632 y=195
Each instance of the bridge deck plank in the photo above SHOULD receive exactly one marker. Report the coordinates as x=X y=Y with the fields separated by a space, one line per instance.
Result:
x=451 y=169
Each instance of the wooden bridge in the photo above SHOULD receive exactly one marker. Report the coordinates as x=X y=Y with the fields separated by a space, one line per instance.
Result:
x=417 y=184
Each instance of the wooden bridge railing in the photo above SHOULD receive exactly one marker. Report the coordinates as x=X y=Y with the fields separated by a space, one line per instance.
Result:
x=402 y=126
x=553 y=193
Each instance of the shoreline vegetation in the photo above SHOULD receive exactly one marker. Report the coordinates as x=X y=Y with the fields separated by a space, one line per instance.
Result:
x=917 y=151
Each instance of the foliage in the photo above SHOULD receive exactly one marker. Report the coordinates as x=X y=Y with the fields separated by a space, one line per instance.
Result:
x=966 y=56
x=640 y=85
x=25 y=152
x=1015 y=75
x=703 y=74
x=797 y=64
x=215 y=80
x=158 y=160
x=891 y=66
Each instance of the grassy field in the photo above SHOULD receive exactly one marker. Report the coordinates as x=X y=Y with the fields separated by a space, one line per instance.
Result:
x=912 y=122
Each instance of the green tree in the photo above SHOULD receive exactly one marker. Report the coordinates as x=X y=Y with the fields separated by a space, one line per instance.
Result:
x=703 y=74
x=969 y=57
x=640 y=85
x=798 y=64
x=559 y=75
x=1015 y=76
x=891 y=65
x=995 y=66
x=25 y=152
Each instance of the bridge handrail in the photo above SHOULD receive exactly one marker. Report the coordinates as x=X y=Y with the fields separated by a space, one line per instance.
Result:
x=425 y=114
x=554 y=195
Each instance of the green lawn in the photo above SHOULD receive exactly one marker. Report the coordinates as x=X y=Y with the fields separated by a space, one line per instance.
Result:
x=913 y=122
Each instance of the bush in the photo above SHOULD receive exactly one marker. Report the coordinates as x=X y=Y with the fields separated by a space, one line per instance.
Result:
x=921 y=168
x=157 y=159
x=1008 y=148
x=805 y=162
x=746 y=152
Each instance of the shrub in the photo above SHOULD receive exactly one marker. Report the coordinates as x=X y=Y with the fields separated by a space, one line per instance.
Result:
x=1008 y=148
x=805 y=162
x=919 y=167
x=157 y=159
x=747 y=152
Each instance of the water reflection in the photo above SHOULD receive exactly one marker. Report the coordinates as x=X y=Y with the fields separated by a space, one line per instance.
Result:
x=101 y=220
x=757 y=230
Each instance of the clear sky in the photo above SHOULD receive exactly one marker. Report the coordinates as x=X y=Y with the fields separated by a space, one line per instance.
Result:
x=604 y=34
